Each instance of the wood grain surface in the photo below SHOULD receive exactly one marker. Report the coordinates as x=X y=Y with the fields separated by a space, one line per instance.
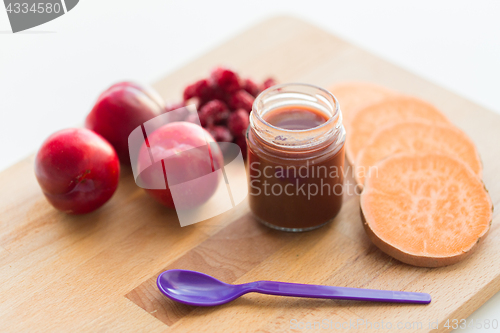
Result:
x=97 y=272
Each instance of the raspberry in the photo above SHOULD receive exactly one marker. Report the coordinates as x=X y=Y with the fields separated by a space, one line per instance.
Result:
x=220 y=133
x=238 y=122
x=242 y=143
x=215 y=112
x=204 y=119
x=241 y=100
x=251 y=87
x=225 y=79
x=200 y=89
x=219 y=93
x=268 y=83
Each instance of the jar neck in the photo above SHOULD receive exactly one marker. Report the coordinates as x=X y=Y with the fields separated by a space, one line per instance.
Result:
x=296 y=141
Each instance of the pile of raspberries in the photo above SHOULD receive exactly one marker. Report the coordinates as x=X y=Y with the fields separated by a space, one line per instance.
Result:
x=224 y=101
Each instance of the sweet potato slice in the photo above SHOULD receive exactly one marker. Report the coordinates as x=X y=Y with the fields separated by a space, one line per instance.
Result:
x=354 y=96
x=425 y=210
x=397 y=109
x=417 y=137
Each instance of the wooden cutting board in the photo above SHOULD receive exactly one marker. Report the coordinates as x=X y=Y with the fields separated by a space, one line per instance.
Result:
x=97 y=272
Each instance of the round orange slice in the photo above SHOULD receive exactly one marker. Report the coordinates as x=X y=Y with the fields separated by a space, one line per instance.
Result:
x=354 y=96
x=397 y=109
x=417 y=137
x=425 y=210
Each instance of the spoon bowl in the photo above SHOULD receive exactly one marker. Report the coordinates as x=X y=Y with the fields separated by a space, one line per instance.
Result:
x=195 y=288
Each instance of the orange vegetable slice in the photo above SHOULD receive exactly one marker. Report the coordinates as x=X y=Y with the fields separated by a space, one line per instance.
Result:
x=354 y=96
x=397 y=109
x=425 y=210
x=417 y=137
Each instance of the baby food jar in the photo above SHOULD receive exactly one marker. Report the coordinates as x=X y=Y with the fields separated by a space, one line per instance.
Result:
x=295 y=157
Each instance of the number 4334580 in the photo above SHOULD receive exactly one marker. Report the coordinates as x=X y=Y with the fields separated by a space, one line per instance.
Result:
x=463 y=324
x=38 y=8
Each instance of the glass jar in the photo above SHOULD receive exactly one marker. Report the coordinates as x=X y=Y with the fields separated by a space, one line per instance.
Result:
x=295 y=159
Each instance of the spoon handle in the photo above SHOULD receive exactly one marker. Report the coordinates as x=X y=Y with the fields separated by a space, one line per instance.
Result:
x=328 y=292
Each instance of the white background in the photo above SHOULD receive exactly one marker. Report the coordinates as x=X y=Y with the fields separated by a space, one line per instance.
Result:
x=51 y=75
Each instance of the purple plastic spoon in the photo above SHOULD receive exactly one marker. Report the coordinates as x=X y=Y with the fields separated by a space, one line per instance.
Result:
x=195 y=288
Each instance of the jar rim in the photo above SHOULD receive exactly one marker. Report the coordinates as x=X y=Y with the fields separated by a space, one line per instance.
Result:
x=300 y=94
x=327 y=123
